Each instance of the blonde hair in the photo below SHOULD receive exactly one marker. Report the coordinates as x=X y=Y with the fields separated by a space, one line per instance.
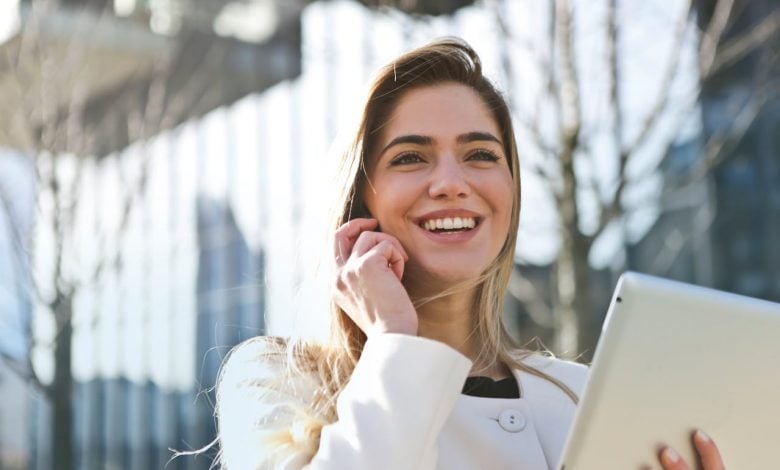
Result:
x=447 y=60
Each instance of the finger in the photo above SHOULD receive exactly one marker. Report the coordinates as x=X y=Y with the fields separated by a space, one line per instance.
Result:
x=368 y=240
x=671 y=460
x=708 y=451
x=395 y=259
x=388 y=255
x=346 y=235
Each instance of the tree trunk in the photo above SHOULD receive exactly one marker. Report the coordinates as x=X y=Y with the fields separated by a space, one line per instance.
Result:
x=61 y=388
x=572 y=271
x=572 y=282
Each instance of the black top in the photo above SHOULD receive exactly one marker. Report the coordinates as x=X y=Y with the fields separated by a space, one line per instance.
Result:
x=486 y=387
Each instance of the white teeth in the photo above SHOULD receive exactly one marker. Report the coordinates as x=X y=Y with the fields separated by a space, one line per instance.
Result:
x=450 y=223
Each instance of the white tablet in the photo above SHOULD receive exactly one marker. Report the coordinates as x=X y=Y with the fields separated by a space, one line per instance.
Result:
x=673 y=357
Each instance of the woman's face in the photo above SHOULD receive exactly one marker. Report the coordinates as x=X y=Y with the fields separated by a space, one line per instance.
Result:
x=439 y=182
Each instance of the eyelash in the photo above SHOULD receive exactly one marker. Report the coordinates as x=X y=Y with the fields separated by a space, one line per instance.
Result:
x=404 y=158
x=491 y=157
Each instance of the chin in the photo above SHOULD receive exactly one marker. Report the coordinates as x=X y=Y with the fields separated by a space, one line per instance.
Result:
x=446 y=275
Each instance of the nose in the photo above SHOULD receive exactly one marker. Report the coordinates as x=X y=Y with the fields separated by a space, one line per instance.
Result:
x=448 y=181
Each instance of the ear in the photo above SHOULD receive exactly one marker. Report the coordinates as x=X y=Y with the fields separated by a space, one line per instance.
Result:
x=360 y=211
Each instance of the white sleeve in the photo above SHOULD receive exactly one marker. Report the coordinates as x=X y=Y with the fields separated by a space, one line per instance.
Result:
x=390 y=414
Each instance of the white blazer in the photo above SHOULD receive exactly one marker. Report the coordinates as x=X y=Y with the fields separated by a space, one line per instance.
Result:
x=402 y=409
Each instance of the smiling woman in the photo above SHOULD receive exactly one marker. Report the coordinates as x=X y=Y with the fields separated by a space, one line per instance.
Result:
x=419 y=372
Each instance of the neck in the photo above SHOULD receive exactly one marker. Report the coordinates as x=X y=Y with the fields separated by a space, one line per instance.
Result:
x=452 y=321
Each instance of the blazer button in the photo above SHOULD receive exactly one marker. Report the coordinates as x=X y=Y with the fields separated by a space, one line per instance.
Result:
x=512 y=420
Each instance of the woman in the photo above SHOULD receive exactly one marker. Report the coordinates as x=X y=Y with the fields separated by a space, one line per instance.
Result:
x=420 y=371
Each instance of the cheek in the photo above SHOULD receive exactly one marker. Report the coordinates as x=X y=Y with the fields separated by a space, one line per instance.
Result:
x=390 y=198
x=383 y=209
x=502 y=195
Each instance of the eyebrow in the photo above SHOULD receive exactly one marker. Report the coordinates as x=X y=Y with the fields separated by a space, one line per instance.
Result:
x=426 y=140
x=477 y=136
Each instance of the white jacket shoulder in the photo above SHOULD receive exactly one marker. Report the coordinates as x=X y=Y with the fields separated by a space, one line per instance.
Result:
x=572 y=374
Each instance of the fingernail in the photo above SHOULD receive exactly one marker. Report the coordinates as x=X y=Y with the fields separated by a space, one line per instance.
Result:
x=671 y=455
x=702 y=436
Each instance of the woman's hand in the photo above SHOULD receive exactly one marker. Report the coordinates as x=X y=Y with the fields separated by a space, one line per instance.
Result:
x=708 y=455
x=369 y=268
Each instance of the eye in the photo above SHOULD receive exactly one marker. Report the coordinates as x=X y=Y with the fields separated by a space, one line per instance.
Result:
x=484 y=156
x=406 y=159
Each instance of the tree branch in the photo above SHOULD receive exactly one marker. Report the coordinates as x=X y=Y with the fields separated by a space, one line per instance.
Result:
x=676 y=240
x=711 y=35
x=612 y=209
x=742 y=45
x=500 y=17
x=153 y=112
x=549 y=78
x=664 y=91
x=571 y=113
x=719 y=145
x=613 y=76
x=548 y=153
x=531 y=126
x=24 y=370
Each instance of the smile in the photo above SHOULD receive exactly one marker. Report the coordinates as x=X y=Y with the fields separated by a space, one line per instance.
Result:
x=449 y=224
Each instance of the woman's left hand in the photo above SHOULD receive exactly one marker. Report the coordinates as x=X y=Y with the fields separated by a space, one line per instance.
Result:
x=709 y=455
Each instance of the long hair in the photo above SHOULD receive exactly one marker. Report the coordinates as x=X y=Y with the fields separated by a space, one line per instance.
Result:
x=448 y=60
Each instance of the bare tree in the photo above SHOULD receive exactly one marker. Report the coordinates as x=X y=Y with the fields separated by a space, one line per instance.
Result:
x=568 y=163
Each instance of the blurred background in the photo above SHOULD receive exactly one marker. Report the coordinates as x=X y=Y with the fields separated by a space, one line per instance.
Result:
x=165 y=177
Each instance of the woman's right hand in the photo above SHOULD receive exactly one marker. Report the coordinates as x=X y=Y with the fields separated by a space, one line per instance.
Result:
x=709 y=455
x=367 y=286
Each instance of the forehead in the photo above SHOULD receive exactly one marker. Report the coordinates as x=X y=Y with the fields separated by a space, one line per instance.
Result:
x=441 y=111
